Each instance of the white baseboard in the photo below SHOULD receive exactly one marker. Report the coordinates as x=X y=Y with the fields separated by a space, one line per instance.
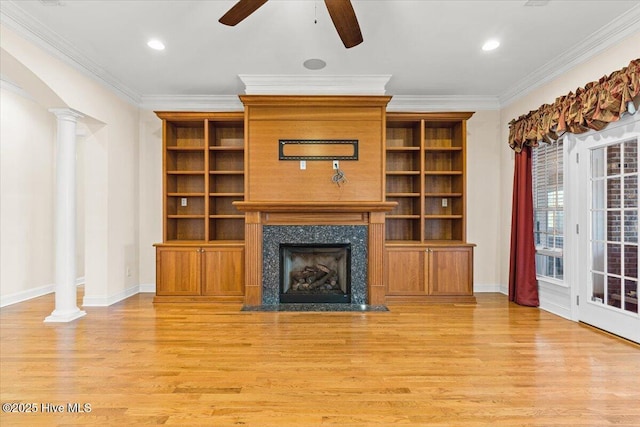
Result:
x=489 y=287
x=32 y=293
x=105 y=301
x=555 y=299
x=147 y=288
x=557 y=309
x=26 y=295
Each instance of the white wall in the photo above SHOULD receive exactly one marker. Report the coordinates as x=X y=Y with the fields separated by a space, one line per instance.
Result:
x=150 y=201
x=26 y=198
x=27 y=155
x=614 y=58
x=483 y=197
x=112 y=157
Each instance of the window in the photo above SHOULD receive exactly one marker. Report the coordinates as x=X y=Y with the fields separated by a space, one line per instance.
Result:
x=548 y=209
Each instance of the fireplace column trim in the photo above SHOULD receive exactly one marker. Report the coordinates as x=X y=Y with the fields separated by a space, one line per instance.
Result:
x=253 y=259
x=377 y=293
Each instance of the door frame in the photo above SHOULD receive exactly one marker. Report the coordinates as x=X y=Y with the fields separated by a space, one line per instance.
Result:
x=577 y=221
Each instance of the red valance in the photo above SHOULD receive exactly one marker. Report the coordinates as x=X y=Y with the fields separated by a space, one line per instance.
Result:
x=592 y=107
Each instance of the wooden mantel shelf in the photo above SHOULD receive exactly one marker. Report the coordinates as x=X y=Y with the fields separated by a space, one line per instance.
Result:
x=315 y=206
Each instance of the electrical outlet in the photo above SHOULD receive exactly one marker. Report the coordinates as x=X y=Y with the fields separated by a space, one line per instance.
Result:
x=445 y=203
x=183 y=201
x=128 y=271
x=336 y=164
x=303 y=165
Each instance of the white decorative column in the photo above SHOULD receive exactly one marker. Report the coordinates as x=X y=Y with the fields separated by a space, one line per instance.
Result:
x=66 y=308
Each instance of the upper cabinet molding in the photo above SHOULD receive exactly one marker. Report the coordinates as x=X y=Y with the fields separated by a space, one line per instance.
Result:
x=261 y=84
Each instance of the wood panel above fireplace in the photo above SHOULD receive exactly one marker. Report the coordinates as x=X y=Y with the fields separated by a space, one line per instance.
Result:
x=270 y=119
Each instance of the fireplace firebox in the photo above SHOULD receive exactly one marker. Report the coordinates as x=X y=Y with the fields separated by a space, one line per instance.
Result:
x=315 y=273
x=355 y=236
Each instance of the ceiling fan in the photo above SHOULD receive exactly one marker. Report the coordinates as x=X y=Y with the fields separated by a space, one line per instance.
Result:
x=341 y=12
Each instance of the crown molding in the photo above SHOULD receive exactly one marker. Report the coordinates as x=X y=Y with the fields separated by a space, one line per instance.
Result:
x=398 y=103
x=191 y=103
x=428 y=103
x=610 y=34
x=294 y=84
x=13 y=17
x=6 y=84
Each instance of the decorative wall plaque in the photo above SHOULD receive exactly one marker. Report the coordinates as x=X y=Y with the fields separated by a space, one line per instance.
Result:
x=318 y=149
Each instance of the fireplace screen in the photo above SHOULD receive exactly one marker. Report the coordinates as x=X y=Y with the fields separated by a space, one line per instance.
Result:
x=315 y=273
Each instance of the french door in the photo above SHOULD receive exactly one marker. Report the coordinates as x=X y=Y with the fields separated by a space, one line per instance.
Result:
x=608 y=229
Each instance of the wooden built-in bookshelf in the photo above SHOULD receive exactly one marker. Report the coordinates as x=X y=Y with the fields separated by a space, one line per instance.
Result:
x=425 y=174
x=203 y=175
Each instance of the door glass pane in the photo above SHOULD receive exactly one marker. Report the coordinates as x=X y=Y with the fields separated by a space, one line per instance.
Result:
x=631 y=226
x=631 y=156
x=614 y=259
x=631 y=261
x=613 y=193
x=631 y=191
x=598 y=256
x=598 y=194
x=614 y=226
x=614 y=230
x=631 y=295
x=613 y=292
x=613 y=159
x=597 y=284
x=598 y=226
x=597 y=162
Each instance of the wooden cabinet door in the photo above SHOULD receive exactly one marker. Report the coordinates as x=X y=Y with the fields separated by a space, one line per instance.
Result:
x=178 y=271
x=405 y=271
x=223 y=271
x=451 y=271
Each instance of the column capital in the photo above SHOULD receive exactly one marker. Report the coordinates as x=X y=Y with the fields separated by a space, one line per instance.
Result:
x=67 y=114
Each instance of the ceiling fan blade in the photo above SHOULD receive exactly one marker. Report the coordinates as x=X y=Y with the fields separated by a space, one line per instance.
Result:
x=240 y=11
x=345 y=21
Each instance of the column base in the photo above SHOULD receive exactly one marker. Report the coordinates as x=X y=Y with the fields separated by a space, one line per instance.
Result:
x=64 y=316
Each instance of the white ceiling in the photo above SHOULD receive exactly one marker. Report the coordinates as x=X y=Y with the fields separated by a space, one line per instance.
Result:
x=430 y=48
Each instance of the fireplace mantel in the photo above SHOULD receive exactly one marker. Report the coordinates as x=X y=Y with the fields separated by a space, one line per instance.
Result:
x=310 y=207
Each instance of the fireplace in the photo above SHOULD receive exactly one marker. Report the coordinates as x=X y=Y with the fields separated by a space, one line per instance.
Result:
x=312 y=245
x=268 y=224
x=315 y=273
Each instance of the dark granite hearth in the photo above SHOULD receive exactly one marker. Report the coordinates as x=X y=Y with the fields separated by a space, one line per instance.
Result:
x=316 y=307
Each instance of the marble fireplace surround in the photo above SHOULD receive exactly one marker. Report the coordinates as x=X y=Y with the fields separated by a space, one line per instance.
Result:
x=274 y=235
x=314 y=219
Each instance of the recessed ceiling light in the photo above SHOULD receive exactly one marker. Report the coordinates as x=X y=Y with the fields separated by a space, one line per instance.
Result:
x=155 y=44
x=490 y=45
x=314 y=64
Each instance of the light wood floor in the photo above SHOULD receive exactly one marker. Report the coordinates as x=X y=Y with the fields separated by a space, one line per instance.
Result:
x=493 y=364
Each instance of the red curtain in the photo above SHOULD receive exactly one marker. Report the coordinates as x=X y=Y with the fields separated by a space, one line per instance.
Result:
x=523 y=285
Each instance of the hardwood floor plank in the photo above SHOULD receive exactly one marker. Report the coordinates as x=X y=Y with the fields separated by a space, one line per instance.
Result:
x=493 y=363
